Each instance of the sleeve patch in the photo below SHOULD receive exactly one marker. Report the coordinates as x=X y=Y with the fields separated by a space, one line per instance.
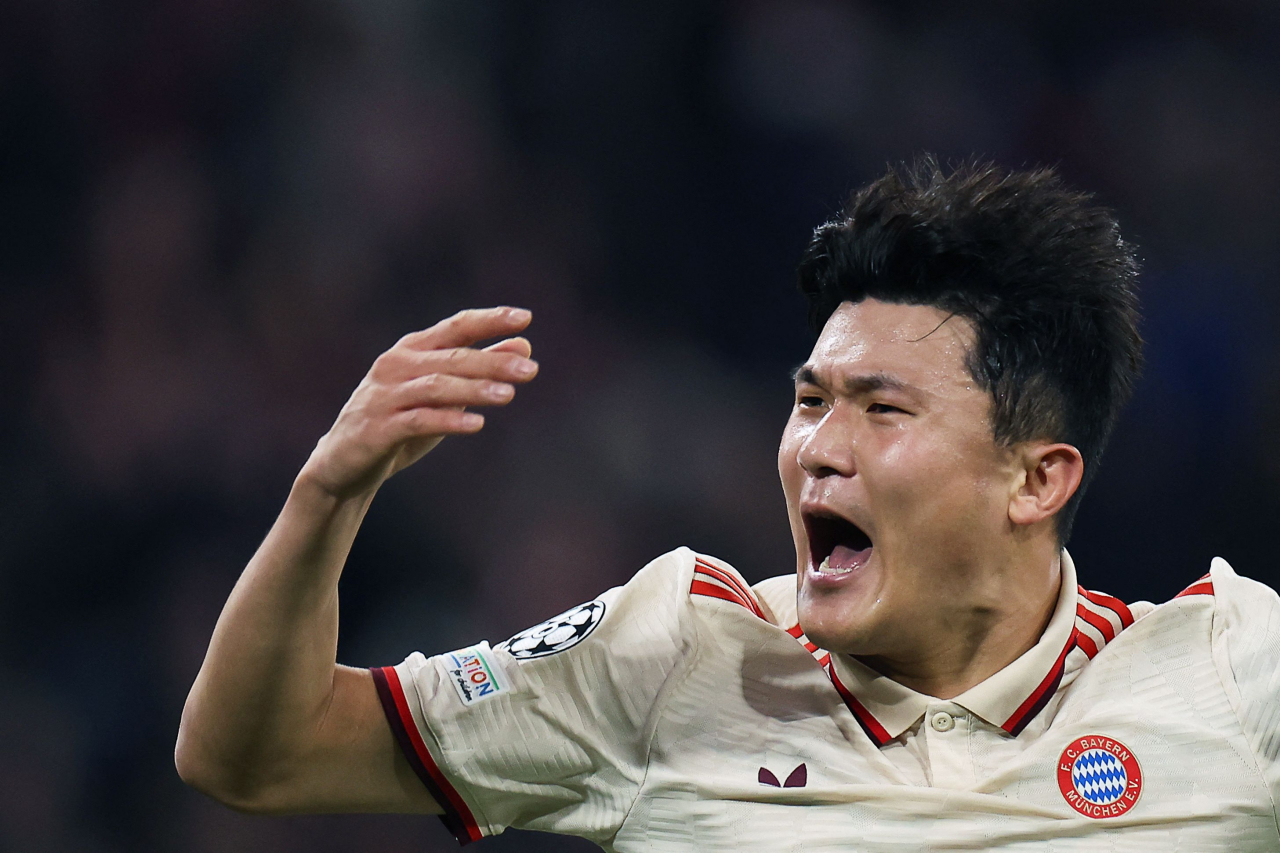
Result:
x=475 y=673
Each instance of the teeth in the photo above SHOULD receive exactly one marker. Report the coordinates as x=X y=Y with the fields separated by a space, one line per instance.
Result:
x=825 y=566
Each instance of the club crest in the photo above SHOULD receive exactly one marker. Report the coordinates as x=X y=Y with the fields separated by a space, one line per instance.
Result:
x=557 y=634
x=1099 y=777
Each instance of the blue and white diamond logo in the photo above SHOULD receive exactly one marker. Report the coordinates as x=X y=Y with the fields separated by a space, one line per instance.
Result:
x=1099 y=777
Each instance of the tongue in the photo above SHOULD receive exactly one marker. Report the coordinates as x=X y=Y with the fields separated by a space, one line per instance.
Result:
x=844 y=557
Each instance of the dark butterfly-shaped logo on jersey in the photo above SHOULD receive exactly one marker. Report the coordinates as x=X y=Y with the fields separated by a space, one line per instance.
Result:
x=555 y=635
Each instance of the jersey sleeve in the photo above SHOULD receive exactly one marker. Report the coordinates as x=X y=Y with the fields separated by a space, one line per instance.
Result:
x=549 y=730
x=1246 y=648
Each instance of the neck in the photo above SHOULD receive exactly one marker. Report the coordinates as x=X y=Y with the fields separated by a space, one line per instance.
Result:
x=968 y=642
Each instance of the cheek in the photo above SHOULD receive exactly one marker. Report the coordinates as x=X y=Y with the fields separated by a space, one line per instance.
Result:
x=914 y=472
x=944 y=483
x=791 y=474
x=788 y=449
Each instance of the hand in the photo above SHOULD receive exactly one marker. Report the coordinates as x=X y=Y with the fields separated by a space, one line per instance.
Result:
x=416 y=393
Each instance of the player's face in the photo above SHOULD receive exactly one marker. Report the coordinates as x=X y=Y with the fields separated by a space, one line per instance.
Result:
x=897 y=492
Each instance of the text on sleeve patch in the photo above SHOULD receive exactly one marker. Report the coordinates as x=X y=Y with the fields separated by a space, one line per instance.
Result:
x=475 y=673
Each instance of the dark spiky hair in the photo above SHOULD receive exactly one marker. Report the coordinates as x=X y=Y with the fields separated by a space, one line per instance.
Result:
x=1039 y=270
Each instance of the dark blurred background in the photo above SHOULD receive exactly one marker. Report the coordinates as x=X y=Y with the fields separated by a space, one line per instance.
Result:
x=214 y=214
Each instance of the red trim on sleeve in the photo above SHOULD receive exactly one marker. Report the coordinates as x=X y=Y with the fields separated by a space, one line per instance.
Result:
x=869 y=724
x=457 y=817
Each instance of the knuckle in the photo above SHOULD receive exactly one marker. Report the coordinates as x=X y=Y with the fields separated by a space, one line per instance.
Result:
x=383 y=364
x=367 y=396
x=412 y=422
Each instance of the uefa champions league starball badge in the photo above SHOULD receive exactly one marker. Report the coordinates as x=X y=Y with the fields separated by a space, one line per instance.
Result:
x=557 y=634
x=1099 y=777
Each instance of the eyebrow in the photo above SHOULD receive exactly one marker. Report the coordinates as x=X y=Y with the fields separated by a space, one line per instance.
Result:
x=853 y=385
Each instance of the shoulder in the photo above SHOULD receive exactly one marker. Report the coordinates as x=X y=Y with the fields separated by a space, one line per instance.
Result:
x=1246 y=653
x=648 y=611
x=684 y=578
x=665 y=601
x=1237 y=605
x=1221 y=591
x=714 y=579
x=1246 y=617
x=1218 y=606
x=1239 y=600
x=1239 y=618
x=1219 y=598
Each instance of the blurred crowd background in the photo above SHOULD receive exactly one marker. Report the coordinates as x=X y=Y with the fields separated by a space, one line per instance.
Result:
x=214 y=214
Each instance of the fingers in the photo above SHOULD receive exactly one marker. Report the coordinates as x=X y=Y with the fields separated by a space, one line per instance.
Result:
x=517 y=346
x=469 y=327
x=439 y=390
x=400 y=364
x=429 y=377
x=434 y=422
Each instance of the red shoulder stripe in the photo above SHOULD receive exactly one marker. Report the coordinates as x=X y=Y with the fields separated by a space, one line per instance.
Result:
x=744 y=596
x=725 y=577
x=1086 y=643
x=1103 y=624
x=795 y=630
x=713 y=591
x=457 y=816
x=1204 y=586
x=1111 y=603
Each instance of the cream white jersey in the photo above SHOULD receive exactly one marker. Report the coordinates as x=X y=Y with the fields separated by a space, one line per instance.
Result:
x=687 y=711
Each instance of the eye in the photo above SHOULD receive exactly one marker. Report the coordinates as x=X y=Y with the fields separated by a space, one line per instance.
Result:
x=810 y=401
x=883 y=409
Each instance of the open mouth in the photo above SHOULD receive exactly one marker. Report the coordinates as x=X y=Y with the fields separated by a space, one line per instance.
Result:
x=837 y=546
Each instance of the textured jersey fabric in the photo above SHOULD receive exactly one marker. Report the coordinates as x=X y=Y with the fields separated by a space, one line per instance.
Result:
x=687 y=711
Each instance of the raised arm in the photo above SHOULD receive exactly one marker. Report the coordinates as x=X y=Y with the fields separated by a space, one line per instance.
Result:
x=273 y=723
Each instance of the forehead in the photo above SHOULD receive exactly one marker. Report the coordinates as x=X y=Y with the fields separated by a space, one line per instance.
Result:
x=920 y=344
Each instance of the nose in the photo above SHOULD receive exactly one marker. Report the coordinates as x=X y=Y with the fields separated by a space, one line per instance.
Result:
x=829 y=449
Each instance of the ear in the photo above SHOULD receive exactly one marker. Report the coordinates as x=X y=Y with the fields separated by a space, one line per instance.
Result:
x=1051 y=475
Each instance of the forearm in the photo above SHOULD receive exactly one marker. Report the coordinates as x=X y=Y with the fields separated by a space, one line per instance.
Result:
x=267 y=678
x=272 y=723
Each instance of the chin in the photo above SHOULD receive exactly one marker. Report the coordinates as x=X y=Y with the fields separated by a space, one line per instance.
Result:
x=831 y=626
x=838 y=610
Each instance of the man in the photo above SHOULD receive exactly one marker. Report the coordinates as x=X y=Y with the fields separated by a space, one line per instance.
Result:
x=931 y=678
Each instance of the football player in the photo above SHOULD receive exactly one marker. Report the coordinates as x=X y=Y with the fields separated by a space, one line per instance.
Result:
x=930 y=676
